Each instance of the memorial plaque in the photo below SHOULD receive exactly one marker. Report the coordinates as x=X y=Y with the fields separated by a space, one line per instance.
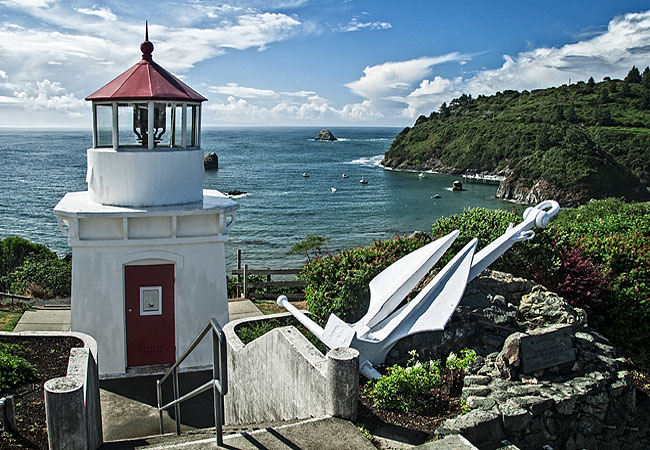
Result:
x=544 y=350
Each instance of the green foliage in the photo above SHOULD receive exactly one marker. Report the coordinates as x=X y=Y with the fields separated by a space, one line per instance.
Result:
x=14 y=251
x=537 y=258
x=460 y=361
x=252 y=330
x=407 y=388
x=339 y=284
x=464 y=408
x=14 y=369
x=633 y=76
x=587 y=129
x=43 y=278
x=597 y=256
x=29 y=268
x=249 y=331
x=311 y=244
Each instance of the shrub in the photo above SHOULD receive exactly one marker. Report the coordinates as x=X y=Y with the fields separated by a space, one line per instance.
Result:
x=406 y=388
x=250 y=331
x=339 y=284
x=46 y=277
x=460 y=361
x=579 y=280
x=14 y=369
x=14 y=251
x=537 y=258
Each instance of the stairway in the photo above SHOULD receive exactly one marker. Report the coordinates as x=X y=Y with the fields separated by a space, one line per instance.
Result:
x=311 y=434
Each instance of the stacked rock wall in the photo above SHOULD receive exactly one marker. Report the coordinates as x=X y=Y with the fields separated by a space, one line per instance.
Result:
x=588 y=402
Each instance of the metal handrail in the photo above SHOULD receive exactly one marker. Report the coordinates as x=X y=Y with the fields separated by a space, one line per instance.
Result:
x=219 y=382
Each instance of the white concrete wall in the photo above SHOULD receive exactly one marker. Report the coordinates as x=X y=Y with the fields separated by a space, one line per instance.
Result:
x=282 y=376
x=98 y=295
x=141 y=177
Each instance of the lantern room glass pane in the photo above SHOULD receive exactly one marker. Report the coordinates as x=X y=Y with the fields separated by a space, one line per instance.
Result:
x=132 y=120
x=104 y=125
x=162 y=125
x=177 y=121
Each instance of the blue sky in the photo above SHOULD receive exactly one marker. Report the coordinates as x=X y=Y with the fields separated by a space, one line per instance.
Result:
x=303 y=62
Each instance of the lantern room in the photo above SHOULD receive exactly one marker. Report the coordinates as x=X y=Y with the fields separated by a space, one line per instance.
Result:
x=151 y=120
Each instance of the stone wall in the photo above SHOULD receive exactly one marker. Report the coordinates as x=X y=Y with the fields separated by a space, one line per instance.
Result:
x=282 y=376
x=588 y=402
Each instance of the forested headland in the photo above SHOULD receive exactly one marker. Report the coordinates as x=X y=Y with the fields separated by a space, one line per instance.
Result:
x=587 y=140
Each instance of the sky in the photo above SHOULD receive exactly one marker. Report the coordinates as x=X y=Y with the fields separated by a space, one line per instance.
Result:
x=310 y=62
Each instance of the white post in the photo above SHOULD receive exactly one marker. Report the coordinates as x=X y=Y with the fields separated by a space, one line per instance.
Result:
x=198 y=126
x=150 y=112
x=116 y=133
x=94 y=125
x=184 y=126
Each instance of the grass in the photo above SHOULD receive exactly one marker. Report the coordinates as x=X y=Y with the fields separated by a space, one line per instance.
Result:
x=9 y=319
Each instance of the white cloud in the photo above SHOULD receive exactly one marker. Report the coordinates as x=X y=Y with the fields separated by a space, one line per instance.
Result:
x=50 y=95
x=388 y=78
x=28 y=4
x=233 y=89
x=103 y=13
x=625 y=42
x=355 y=25
x=3 y=74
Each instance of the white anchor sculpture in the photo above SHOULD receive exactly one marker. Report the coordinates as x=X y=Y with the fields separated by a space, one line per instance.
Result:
x=382 y=327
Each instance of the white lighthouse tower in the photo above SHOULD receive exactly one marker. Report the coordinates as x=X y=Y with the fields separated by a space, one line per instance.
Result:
x=148 y=264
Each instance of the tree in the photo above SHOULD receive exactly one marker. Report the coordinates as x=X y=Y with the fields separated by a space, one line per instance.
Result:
x=444 y=110
x=633 y=76
x=645 y=78
x=420 y=120
x=590 y=82
x=310 y=246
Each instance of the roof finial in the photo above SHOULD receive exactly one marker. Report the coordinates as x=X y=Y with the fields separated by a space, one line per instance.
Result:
x=146 y=47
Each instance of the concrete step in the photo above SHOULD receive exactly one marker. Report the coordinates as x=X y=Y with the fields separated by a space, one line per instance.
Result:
x=317 y=434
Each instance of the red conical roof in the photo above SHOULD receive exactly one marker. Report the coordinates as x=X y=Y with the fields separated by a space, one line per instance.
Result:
x=146 y=80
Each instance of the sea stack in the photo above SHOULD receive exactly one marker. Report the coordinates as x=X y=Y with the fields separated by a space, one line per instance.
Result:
x=211 y=161
x=325 y=135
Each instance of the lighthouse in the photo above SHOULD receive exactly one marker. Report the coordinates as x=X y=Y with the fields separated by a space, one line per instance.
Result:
x=148 y=242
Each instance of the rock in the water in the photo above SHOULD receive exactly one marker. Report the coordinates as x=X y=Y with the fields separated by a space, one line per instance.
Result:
x=211 y=161
x=325 y=135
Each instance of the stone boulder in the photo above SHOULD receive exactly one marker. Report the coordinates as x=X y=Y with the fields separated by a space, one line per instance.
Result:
x=325 y=135
x=541 y=308
x=211 y=161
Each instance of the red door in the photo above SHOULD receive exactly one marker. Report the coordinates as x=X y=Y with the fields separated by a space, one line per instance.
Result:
x=149 y=302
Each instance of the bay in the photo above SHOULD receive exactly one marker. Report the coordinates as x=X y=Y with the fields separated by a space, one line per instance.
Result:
x=281 y=205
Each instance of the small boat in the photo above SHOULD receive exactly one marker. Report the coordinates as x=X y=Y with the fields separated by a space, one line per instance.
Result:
x=333 y=189
x=363 y=181
x=305 y=175
x=344 y=175
x=436 y=196
x=422 y=175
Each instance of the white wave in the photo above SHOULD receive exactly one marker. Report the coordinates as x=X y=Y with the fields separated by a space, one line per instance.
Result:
x=367 y=161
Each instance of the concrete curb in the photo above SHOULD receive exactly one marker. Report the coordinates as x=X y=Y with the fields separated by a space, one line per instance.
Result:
x=72 y=403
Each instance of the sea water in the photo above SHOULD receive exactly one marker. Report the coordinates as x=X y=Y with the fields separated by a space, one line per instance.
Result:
x=280 y=207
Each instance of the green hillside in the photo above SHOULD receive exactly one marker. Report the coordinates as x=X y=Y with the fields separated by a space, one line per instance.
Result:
x=579 y=141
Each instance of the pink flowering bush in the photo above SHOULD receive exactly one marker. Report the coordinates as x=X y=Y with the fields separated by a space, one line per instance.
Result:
x=579 y=280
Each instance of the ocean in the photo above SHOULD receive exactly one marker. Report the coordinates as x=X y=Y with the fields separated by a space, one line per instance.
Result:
x=281 y=205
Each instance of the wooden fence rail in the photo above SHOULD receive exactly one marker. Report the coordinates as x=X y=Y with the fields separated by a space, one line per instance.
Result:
x=244 y=285
x=13 y=297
